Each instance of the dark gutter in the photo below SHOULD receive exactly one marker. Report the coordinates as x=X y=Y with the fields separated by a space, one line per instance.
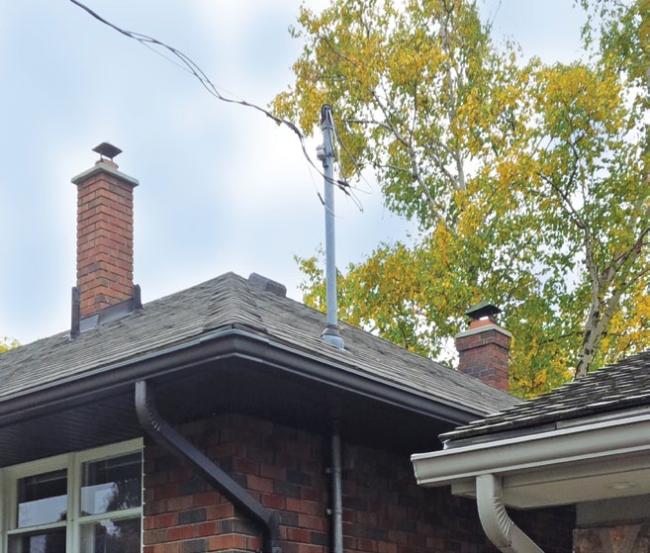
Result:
x=224 y=343
x=166 y=436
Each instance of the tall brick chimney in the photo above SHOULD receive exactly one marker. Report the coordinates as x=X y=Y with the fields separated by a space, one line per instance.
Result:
x=105 y=286
x=484 y=348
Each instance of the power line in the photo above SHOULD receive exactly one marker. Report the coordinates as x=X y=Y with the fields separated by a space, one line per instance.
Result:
x=183 y=61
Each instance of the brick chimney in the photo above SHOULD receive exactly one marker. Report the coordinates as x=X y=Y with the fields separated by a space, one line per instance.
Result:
x=105 y=286
x=483 y=349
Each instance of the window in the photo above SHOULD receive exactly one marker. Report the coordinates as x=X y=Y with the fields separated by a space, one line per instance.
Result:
x=86 y=502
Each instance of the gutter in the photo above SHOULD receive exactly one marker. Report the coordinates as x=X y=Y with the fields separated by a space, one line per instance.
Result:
x=230 y=342
x=589 y=441
x=166 y=436
x=484 y=465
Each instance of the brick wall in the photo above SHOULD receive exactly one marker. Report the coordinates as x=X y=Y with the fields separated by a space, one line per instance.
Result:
x=484 y=354
x=623 y=538
x=615 y=525
x=384 y=510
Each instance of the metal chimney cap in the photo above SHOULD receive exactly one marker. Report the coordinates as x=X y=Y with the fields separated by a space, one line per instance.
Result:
x=106 y=149
x=482 y=309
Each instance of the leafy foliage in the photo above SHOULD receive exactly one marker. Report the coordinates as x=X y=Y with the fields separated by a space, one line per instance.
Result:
x=7 y=343
x=529 y=181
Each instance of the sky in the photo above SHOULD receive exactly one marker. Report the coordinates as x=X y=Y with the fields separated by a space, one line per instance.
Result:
x=222 y=188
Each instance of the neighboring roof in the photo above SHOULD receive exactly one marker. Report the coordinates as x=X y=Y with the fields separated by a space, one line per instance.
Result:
x=221 y=303
x=623 y=385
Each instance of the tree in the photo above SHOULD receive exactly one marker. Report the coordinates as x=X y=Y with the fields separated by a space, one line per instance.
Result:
x=529 y=182
x=7 y=343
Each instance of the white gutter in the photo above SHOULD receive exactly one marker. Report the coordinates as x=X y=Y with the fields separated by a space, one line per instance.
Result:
x=498 y=526
x=588 y=441
x=485 y=465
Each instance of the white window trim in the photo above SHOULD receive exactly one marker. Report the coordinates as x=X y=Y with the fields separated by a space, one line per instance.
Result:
x=72 y=462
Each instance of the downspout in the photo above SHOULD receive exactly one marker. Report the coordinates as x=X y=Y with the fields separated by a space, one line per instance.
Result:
x=166 y=436
x=337 y=491
x=497 y=524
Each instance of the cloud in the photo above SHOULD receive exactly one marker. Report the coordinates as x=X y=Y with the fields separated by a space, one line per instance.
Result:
x=222 y=188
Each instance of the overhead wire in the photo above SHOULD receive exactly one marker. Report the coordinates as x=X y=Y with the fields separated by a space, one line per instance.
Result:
x=337 y=140
x=183 y=61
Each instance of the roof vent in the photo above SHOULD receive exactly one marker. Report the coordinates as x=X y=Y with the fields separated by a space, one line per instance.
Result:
x=267 y=285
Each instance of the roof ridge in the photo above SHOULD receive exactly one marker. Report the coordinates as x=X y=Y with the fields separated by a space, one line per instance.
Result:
x=234 y=304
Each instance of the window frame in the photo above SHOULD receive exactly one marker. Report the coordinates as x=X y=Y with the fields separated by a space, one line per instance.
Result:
x=72 y=463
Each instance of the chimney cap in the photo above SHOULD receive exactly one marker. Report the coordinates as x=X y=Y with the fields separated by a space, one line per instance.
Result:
x=482 y=309
x=106 y=149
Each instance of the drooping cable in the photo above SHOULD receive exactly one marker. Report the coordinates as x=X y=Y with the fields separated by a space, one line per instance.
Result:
x=184 y=62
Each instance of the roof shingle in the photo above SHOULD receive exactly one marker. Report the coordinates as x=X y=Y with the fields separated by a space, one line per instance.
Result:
x=620 y=386
x=232 y=300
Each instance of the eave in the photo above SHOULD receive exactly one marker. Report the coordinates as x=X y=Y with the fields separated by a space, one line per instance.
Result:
x=225 y=342
x=587 y=462
x=230 y=369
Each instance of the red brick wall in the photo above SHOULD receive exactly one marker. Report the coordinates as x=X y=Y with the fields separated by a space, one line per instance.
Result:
x=104 y=241
x=384 y=510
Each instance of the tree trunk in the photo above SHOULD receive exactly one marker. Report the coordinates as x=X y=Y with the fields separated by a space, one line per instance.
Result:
x=596 y=328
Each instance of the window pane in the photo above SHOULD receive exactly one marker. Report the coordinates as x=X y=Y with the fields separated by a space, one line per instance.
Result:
x=111 y=484
x=47 y=541
x=111 y=536
x=42 y=498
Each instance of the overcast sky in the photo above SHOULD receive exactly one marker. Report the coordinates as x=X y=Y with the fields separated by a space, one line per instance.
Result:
x=222 y=188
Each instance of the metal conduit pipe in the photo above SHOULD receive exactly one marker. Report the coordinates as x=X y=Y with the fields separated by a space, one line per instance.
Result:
x=497 y=524
x=337 y=492
x=166 y=436
x=327 y=155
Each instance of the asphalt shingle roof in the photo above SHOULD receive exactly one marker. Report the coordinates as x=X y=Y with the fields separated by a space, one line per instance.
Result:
x=232 y=300
x=620 y=386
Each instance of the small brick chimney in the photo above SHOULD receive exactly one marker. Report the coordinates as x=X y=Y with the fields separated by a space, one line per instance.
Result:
x=483 y=349
x=104 y=243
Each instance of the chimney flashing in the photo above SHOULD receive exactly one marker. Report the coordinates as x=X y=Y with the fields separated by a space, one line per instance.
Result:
x=104 y=316
x=111 y=313
x=105 y=166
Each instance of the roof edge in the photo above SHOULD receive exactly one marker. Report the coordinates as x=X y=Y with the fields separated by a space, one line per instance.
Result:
x=220 y=343
x=588 y=441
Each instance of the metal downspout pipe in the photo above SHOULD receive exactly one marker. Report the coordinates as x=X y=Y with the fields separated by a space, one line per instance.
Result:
x=166 y=436
x=497 y=524
x=337 y=492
